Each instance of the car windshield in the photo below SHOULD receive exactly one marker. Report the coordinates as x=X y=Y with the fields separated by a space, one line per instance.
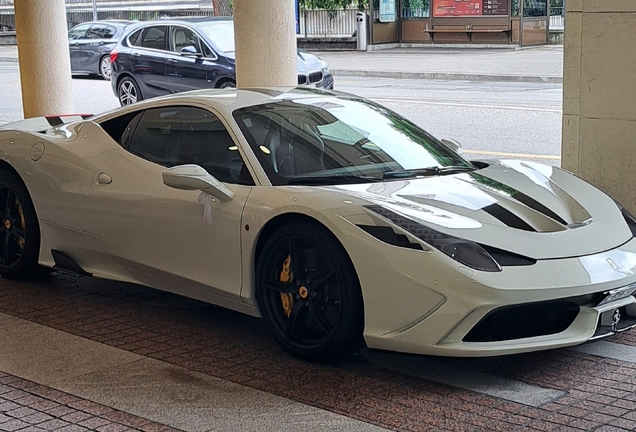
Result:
x=331 y=140
x=220 y=33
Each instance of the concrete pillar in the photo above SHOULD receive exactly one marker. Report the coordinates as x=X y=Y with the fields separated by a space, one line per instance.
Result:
x=265 y=35
x=599 y=95
x=45 y=67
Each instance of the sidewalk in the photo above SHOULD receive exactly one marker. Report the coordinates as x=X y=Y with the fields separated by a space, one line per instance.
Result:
x=542 y=64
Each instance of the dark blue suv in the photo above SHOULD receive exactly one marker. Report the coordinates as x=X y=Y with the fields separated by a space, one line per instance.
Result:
x=164 y=56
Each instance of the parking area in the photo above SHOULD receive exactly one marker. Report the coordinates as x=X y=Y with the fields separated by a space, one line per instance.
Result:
x=84 y=354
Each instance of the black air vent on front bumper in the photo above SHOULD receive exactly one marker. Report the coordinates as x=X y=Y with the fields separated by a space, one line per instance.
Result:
x=524 y=321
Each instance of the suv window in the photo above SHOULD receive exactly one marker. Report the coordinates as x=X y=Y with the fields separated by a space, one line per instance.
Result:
x=78 y=32
x=100 y=31
x=134 y=38
x=181 y=37
x=153 y=37
x=171 y=136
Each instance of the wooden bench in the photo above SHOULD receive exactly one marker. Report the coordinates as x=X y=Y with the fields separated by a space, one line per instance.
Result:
x=468 y=29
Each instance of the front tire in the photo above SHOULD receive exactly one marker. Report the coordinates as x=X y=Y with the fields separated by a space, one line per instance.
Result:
x=20 y=230
x=128 y=91
x=105 y=67
x=309 y=294
x=227 y=84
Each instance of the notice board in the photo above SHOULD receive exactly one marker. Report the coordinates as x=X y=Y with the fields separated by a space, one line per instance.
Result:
x=449 y=8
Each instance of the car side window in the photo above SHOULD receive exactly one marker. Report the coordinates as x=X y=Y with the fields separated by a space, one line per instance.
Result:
x=78 y=32
x=100 y=31
x=121 y=128
x=134 y=39
x=153 y=37
x=207 y=51
x=171 y=136
x=181 y=37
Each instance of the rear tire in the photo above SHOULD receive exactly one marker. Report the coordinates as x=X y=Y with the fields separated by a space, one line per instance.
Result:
x=128 y=91
x=316 y=314
x=104 y=67
x=20 y=230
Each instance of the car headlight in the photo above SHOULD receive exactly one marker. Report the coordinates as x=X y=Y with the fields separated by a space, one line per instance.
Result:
x=464 y=251
x=325 y=69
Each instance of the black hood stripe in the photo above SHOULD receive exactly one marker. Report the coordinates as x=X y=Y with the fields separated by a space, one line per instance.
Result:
x=513 y=193
x=507 y=217
x=536 y=205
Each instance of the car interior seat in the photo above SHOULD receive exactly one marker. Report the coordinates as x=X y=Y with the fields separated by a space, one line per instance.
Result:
x=180 y=40
x=300 y=154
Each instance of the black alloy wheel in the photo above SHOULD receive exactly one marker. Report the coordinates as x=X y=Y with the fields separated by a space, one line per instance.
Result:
x=20 y=231
x=128 y=91
x=309 y=294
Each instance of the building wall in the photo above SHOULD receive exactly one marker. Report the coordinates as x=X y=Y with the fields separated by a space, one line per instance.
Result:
x=599 y=95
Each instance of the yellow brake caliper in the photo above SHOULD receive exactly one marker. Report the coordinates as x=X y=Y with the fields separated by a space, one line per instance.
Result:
x=286 y=276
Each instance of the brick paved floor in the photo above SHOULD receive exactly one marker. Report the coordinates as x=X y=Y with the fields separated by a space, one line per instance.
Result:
x=600 y=393
x=26 y=406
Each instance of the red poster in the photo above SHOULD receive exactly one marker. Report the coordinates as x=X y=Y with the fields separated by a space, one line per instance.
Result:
x=443 y=8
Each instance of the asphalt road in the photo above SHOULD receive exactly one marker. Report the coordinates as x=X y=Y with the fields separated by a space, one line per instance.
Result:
x=490 y=119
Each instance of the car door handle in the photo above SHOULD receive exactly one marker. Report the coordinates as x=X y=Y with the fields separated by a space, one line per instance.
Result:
x=136 y=55
x=173 y=61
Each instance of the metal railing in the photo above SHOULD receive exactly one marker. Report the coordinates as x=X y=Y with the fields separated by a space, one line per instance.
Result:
x=557 y=18
x=416 y=12
x=327 y=23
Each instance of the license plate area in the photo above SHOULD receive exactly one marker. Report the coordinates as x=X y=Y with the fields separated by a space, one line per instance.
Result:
x=615 y=320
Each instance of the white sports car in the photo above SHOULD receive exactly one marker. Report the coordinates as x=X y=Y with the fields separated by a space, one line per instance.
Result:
x=337 y=220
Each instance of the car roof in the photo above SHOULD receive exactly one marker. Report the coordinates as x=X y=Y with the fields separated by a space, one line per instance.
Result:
x=228 y=100
x=118 y=22
x=190 y=20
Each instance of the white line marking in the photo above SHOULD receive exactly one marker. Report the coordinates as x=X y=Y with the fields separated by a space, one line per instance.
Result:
x=502 y=107
x=513 y=155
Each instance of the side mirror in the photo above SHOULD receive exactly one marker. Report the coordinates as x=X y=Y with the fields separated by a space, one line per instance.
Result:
x=190 y=51
x=452 y=144
x=193 y=177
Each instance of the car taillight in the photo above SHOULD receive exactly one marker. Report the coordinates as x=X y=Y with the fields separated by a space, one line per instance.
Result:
x=113 y=56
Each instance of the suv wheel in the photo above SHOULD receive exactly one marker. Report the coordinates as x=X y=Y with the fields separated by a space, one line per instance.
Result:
x=128 y=91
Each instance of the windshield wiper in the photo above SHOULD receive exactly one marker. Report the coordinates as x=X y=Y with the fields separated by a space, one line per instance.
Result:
x=429 y=171
x=331 y=179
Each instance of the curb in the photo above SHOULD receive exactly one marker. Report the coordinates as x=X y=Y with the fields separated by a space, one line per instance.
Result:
x=449 y=76
x=424 y=75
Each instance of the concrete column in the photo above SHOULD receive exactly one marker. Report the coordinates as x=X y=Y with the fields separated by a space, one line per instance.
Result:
x=45 y=67
x=265 y=35
x=599 y=95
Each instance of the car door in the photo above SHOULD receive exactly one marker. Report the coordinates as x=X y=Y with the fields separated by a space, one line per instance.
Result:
x=76 y=41
x=148 y=60
x=158 y=233
x=193 y=70
x=100 y=42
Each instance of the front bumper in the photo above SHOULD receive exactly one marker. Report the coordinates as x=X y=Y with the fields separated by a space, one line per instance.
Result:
x=454 y=300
